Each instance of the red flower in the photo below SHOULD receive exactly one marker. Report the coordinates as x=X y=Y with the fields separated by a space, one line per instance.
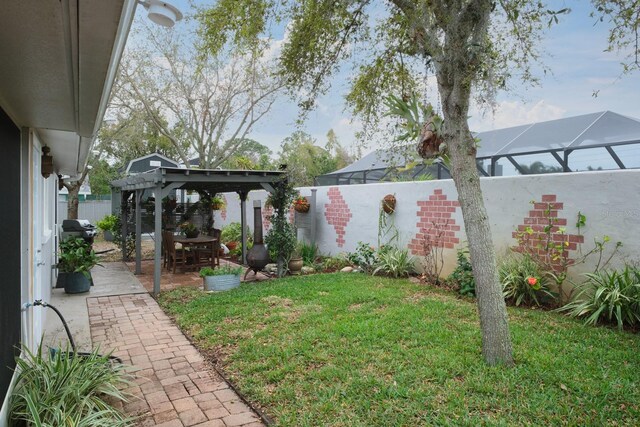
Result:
x=532 y=281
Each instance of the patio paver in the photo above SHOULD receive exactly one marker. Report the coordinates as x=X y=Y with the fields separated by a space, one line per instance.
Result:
x=174 y=386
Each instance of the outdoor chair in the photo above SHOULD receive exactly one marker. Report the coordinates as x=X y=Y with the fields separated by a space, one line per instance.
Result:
x=205 y=252
x=174 y=255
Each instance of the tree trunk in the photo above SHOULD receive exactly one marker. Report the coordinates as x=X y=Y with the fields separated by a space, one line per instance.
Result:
x=72 y=201
x=494 y=324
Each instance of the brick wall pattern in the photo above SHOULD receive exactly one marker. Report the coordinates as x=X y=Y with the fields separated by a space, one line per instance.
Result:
x=433 y=214
x=338 y=214
x=538 y=219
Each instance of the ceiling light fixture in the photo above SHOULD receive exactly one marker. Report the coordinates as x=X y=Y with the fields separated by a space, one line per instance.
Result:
x=161 y=12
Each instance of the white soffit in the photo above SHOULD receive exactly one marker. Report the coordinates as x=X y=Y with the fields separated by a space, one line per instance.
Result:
x=59 y=61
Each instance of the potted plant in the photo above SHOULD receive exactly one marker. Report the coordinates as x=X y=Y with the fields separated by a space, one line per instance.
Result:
x=217 y=203
x=76 y=260
x=189 y=229
x=108 y=225
x=301 y=204
x=296 y=262
x=220 y=279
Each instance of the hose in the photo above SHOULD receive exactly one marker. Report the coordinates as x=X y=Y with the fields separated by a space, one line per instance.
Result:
x=41 y=303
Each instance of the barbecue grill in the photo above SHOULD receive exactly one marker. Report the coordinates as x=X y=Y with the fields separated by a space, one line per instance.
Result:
x=78 y=228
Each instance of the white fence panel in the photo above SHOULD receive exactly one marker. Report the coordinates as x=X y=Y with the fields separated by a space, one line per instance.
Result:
x=92 y=210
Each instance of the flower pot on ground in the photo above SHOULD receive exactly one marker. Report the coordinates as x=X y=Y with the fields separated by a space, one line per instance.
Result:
x=108 y=224
x=76 y=259
x=295 y=265
x=220 y=279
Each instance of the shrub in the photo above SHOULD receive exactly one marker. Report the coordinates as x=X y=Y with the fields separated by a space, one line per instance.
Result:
x=334 y=263
x=308 y=252
x=523 y=280
x=462 y=276
x=611 y=296
x=364 y=257
x=394 y=262
x=233 y=233
x=76 y=256
x=108 y=223
x=67 y=390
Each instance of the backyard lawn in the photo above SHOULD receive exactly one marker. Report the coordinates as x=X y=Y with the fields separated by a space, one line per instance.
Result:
x=355 y=350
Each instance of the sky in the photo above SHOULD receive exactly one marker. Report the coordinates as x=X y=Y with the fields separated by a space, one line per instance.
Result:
x=573 y=50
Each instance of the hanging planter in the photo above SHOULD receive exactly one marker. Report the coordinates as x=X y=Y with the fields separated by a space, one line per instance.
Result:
x=301 y=204
x=430 y=141
x=389 y=203
x=217 y=203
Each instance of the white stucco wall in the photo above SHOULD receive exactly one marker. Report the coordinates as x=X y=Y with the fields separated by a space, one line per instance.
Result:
x=609 y=200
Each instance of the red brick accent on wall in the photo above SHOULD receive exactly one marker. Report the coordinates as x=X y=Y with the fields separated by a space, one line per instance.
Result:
x=223 y=212
x=267 y=211
x=337 y=213
x=433 y=214
x=538 y=219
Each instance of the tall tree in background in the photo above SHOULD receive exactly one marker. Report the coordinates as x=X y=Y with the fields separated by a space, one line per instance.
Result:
x=306 y=160
x=468 y=44
x=205 y=105
x=250 y=155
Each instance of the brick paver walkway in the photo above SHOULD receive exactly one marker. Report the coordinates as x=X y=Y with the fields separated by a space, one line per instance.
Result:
x=173 y=386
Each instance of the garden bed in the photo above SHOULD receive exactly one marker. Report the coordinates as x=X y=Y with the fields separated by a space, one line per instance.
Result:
x=351 y=349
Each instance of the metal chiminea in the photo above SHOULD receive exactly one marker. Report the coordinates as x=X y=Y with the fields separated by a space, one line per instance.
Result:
x=258 y=256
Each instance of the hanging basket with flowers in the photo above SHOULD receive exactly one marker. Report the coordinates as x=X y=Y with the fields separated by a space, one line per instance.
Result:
x=217 y=203
x=301 y=204
x=389 y=203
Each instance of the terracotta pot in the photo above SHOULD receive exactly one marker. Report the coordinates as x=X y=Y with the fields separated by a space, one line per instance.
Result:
x=389 y=203
x=216 y=206
x=231 y=245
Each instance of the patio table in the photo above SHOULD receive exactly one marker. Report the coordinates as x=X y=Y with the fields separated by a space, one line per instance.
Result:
x=200 y=241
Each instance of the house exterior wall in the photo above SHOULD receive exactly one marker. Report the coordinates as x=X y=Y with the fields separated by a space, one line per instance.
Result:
x=348 y=214
x=10 y=250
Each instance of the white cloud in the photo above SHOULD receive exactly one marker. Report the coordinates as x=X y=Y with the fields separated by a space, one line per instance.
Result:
x=514 y=113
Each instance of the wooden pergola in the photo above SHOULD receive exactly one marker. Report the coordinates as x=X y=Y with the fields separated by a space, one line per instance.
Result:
x=163 y=181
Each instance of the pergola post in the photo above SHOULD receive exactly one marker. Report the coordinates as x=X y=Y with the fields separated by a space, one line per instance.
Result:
x=123 y=223
x=158 y=240
x=138 y=199
x=243 y=224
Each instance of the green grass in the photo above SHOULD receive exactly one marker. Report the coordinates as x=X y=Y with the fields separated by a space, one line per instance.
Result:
x=356 y=350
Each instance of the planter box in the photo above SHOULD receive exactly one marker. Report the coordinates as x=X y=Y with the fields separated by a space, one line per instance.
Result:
x=221 y=283
x=77 y=283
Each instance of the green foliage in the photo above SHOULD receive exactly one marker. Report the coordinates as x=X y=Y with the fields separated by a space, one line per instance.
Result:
x=68 y=390
x=233 y=233
x=108 y=223
x=394 y=262
x=281 y=238
x=364 y=257
x=305 y=160
x=101 y=175
x=462 y=275
x=335 y=263
x=76 y=256
x=414 y=115
x=624 y=30
x=220 y=271
x=130 y=242
x=608 y=296
x=523 y=280
x=308 y=252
